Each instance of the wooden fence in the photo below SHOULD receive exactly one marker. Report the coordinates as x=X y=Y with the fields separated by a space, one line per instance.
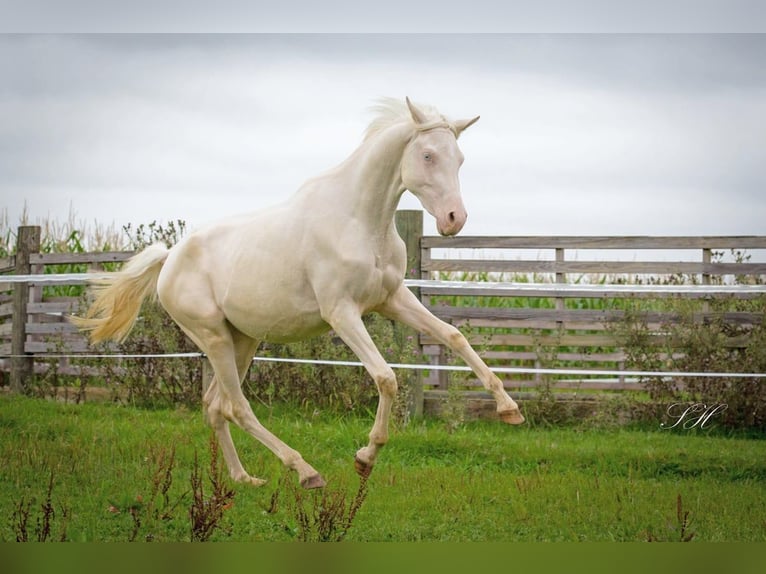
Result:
x=538 y=326
x=530 y=325
x=32 y=324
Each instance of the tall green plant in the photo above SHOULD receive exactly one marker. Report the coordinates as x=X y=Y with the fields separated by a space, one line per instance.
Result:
x=142 y=235
x=153 y=381
x=702 y=342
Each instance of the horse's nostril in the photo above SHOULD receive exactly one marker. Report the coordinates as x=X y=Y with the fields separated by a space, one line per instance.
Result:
x=451 y=217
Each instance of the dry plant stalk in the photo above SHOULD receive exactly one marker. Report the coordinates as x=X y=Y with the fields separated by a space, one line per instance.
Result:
x=327 y=516
x=44 y=522
x=206 y=512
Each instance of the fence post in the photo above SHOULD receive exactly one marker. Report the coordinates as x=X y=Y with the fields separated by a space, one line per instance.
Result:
x=409 y=224
x=707 y=257
x=22 y=365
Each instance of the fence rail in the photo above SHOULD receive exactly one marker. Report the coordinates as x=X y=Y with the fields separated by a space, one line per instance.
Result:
x=524 y=315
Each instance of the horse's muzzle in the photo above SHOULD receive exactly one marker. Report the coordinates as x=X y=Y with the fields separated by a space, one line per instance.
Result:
x=452 y=222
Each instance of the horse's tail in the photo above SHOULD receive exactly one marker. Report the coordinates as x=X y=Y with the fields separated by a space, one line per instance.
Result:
x=118 y=298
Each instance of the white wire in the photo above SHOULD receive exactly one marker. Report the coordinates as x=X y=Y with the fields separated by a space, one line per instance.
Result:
x=516 y=370
x=54 y=278
x=420 y=367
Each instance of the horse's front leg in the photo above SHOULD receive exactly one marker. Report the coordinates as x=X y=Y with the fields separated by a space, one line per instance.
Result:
x=405 y=307
x=348 y=324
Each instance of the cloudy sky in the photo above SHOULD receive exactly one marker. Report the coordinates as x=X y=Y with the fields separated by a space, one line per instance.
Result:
x=579 y=133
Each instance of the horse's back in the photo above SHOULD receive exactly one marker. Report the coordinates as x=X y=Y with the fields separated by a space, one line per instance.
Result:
x=250 y=270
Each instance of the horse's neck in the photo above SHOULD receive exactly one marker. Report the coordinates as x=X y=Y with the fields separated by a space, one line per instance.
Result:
x=371 y=178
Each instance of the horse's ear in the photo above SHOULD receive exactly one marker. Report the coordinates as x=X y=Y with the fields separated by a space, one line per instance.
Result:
x=417 y=116
x=461 y=125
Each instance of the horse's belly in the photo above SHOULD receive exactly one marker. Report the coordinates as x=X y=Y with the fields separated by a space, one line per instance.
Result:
x=285 y=329
x=279 y=317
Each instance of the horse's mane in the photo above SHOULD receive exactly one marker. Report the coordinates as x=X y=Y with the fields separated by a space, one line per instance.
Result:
x=391 y=111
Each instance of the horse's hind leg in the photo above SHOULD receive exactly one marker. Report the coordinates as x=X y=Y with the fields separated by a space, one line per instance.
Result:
x=215 y=405
x=214 y=409
x=186 y=296
x=219 y=345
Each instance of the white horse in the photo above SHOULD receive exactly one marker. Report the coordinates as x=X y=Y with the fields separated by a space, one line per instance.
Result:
x=321 y=260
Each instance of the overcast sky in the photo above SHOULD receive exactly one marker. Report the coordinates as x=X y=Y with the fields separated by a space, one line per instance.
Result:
x=579 y=134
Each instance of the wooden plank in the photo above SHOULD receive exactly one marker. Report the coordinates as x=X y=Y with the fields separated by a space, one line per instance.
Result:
x=6 y=309
x=616 y=357
x=82 y=258
x=67 y=306
x=518 y=340
x=568 y=357
x=46 y=318
x=513 y=385
x=586 y=242
x=71 y=346
x=541 y=324
x=566 y=340
x=7 y=264
x=450 y=312
x=51 y=328
x=584 y=385
x=524 y=317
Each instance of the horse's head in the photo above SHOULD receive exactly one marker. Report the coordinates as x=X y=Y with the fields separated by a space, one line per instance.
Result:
x=430 y=166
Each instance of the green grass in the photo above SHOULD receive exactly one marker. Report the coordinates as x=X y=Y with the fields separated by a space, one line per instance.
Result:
x=484 y=482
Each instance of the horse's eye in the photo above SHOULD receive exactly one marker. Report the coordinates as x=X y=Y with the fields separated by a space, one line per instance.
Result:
x=427 y=156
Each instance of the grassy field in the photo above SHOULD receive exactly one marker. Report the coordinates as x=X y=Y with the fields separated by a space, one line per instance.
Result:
x=121 y=474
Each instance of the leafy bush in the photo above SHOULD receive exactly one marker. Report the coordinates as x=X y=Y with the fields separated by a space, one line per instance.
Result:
x=697 y=342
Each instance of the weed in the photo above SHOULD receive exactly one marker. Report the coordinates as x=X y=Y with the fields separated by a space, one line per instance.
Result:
x=152 y=514
x=681 y=529
x=44 y=520
x=453 y=407
x=207 y=511
x=148 y=513
x=143 y=235
x=324 y=515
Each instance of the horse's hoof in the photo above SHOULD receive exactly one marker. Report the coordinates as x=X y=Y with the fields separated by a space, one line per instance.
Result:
x=362 y=468
x=313 y=481
x=512 y=417
x=251 y=480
